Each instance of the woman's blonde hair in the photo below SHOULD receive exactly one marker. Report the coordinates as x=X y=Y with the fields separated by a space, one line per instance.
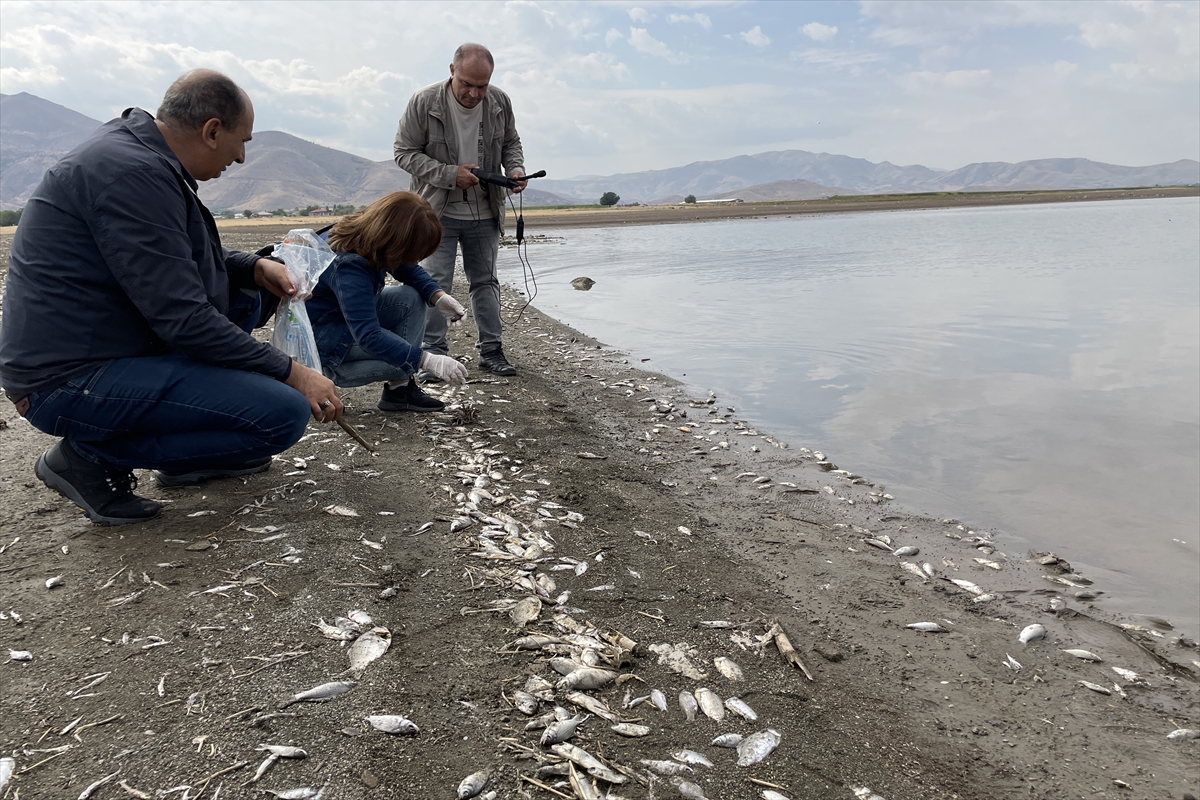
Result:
x=400 y=228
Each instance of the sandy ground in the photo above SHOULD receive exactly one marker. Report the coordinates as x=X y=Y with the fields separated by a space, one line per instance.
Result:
x=656 y=530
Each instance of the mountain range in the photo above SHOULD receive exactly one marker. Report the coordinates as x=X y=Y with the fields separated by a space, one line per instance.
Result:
x=284 y=171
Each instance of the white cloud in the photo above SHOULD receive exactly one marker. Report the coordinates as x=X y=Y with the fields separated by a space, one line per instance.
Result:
x=818 y=32
x=755 y=37
x=955 y=79
x=613 y=35
x=702 y=20
x=638 y=14
x=643 y=42
x=1162 y=38
x=837 y=59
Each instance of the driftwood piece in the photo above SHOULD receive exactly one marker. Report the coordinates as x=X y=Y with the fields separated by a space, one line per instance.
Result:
x=348 y=428
x=784 y=645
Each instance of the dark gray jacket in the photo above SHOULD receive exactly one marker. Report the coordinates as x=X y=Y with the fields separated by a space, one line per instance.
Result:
x=116 y=257
x=427 y=148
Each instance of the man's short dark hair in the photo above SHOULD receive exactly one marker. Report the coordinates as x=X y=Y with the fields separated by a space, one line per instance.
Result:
x=471 y=51
x=198 y=96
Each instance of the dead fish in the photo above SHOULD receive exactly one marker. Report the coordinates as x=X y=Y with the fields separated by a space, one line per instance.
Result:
x=267 y=763
x=658 y=699
x=914 y=570
x=1084 y=655
x=687 y=702
x=86 y=793
x=691 y=791
x=283 y=751
x=927 y=627
x=1032 y=633
x=769 y=794
x=1182 y=734
x=927 y=568
x=586 y=679
x=739 y=706
x=667 y=767
x=1057 y=604
x=907 y=550
x=1095 y=687
x=589 y=762
x=534 y=642
x=526 y=611
x=983 y=598
x=393 y=723
x=340 y=633
x=561 y=730
x=728 y=668
x=368 y=647
x=20 y=655
x=592 y=704
x=539 y=687
x=878 y=543
x=716 y=623
x=472 y=784
x=863 y=793
x=966 y=586
x=1012 y=663
x=540 y=723
x=630 y=730
x=303 y=793
x=710 y=704
x=526 y=703
x=691 y=757
x=318 y=694
x=728 y=740
x=989 y=564
x=340 y=511
x=757 y=746
x=1130 y=676
x=57 y=580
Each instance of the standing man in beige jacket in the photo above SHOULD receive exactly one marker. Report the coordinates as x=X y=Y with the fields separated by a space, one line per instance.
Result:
x=448 y=129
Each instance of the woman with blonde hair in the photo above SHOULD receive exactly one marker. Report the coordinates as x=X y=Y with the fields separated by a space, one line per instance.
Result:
x=367 y=331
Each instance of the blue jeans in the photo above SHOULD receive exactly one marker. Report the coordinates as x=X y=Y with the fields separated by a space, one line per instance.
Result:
x=401 y=311
x=172 y=413
x=480 y=241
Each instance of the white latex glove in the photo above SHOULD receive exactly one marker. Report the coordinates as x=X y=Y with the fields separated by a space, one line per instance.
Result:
x=444 y=367
x=451 y=309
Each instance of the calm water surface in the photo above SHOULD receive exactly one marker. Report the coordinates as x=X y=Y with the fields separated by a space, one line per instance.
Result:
x=1033 y=370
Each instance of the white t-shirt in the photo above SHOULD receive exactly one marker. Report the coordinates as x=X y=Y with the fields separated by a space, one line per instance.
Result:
x=468 y=131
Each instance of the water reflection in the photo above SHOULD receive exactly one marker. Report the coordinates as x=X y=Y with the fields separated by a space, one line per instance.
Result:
x=1032 y=369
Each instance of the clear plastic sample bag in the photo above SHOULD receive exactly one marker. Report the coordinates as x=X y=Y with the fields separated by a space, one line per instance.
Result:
x=306 y=256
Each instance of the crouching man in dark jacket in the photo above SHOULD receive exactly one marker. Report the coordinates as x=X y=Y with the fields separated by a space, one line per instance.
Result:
x=126 y=324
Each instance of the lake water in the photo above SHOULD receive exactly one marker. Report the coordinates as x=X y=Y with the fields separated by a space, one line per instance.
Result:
x=1032 y=370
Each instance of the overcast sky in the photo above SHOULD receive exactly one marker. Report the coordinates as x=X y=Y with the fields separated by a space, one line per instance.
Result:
x=610 y=87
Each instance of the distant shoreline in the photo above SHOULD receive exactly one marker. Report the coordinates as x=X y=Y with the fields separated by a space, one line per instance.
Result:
x=596 y=217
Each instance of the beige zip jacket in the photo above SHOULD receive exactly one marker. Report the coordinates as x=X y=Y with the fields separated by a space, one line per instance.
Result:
x=427 y=149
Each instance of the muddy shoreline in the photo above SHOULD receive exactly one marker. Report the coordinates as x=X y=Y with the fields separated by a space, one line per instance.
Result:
x=204 y=620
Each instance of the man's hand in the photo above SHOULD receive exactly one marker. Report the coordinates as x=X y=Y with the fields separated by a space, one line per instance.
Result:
x=450 y=308
x=272 y=275
x=516 y=175
x=465 y=179
x=320 y=392
x=444 y=367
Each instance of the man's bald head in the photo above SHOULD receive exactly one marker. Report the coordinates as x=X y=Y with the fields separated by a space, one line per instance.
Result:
x=200 y=95
x=470 y=52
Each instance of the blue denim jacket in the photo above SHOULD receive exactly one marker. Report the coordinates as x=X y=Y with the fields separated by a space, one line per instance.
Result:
x=342 y=311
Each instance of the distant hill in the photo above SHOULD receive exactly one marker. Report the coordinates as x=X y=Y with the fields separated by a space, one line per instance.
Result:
x=34 y=134
x=284 y=171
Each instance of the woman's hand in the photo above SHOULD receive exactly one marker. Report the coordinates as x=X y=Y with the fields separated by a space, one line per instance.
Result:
x=451 y=309
x=445 y=367
x=272 y=275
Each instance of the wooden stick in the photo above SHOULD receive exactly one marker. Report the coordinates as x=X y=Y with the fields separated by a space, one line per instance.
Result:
x=788 y=652
x=348 y=428
x=541 y=785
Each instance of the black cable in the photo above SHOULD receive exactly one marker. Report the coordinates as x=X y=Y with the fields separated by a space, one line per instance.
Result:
x=527 y=272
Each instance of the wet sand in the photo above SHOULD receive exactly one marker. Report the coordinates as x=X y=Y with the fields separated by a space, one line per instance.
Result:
x=682 y=513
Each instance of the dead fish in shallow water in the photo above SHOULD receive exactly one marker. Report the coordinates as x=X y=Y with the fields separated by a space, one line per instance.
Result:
x=667 y=767
x=757 y=746
x=472 y=784
x=914 y=570
x=927 y=568
x=691 y=757
x=393 y=723
x=927 y=627
x=710 y=703
x=1095 y=687
x=317 y=694
x=1032 y=633
x=687 y=701
x=878 y=543
x=967 y=586
x=907 y=550
x=630 y=730
x=739 y=706
x=728 y=668
x=1084 y=655
x=1182 y=734
x=728 y=740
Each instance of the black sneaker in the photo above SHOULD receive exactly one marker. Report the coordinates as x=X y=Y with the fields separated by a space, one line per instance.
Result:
x=409 y=397
x=172 y=479
x=105 y=492
x=494 y=361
